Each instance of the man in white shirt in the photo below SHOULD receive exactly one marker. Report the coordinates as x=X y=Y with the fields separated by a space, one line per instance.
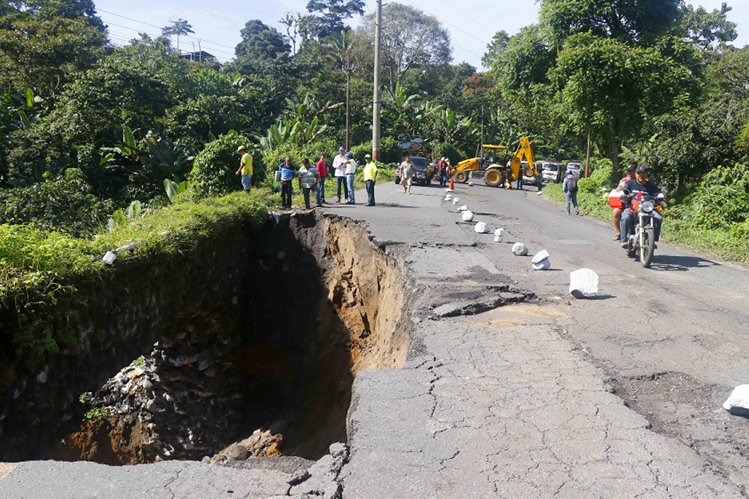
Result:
x=350 y=171
x=339 y=164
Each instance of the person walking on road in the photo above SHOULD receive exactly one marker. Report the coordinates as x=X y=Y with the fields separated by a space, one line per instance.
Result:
x=407 y=174
x=350 y=172
x=287 y=175
x=442 y=168
x=570 y=192
x=339 y=165
x=245 y=169
x=322 y=172
x=307 y=181
x=617 y=212
x=370 y=177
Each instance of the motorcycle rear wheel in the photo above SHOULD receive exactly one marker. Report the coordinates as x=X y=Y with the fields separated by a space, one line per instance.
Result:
x=648 y=245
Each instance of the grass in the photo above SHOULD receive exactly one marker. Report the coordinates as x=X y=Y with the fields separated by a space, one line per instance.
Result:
x=725 y=244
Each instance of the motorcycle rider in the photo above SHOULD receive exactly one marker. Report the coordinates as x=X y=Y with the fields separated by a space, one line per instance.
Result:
x=639 y=184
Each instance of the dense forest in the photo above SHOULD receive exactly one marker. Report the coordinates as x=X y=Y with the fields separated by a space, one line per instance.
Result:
x=88 y=128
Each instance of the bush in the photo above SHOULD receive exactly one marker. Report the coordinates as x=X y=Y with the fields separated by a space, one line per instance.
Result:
x=213 y=173
x=600 y=179
x=449 y=151
x=65 y=204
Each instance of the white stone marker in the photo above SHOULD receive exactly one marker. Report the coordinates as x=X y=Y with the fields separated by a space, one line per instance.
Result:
x=463 y=208
x=519 y=249
x=482 y=228
x=467 y=216
x=456 y=200
x=541 y=260
x=583 y=283
x=738 y=402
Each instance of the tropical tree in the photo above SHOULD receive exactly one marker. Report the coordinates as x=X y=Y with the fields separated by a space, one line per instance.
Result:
x=180 y=27
x=330 y=14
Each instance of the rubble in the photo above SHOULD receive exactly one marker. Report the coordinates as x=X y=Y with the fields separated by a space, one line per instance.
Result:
x=482 y=228
x=541 y=261
x=467 y=216
x=738 y=403
x=463 y=208
x=456 y=200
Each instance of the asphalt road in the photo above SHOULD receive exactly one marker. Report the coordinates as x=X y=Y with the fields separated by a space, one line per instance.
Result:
x=670 y=341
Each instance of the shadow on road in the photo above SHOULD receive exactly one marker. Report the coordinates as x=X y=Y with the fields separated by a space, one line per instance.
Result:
x=680 y=263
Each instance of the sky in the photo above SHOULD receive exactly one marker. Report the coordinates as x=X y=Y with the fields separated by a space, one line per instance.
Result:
x=471 y=23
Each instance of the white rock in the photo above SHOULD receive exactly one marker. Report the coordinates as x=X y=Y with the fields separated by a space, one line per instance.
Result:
x=542 y=265
x=456 y=200
x=540 y=256
x=449 y=190
x=448 y=197
x=482 y=228
x=519 y=249
x=499 y=239
x=499 y=232
x=583 y=283
x=467 y=216
x=463 y=208
x=539 y=193
x=738 y=402
x=109 y=258
x=470 y=183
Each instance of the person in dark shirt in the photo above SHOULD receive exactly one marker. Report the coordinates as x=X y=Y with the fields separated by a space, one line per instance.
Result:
x=287 y=175
x=639 y=184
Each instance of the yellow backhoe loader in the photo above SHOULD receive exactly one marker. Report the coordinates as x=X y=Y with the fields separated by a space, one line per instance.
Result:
x=492 y=171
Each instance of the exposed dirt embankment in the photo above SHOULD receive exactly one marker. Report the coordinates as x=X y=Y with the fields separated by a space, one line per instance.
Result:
x=318 y=303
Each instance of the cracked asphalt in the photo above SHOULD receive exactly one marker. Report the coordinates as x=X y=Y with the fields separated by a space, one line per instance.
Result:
x=614 y=397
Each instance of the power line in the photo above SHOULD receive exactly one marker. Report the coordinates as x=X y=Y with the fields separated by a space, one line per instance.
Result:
x=212 y=12
x=160 y=27
x=151 y=34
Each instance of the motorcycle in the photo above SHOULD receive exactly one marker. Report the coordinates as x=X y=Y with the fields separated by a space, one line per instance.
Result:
x=646 y=208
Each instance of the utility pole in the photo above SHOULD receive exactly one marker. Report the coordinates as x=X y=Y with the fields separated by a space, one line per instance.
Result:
x=348 y=69
x=376 y=99
x=587 y=162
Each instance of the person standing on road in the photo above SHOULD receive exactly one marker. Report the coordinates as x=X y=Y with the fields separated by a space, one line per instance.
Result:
x=287 y=175
x=350 y=172
x=245 y=169
x=570 y=192
x=307 y=181
x=339 y=164
x=407 y=174
x=617 y=212
x=370 y=177
x=519 y=182
x=322 y=172
x=639 y=184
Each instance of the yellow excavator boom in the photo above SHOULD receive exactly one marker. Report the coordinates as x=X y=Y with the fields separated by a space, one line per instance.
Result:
x=525 y=151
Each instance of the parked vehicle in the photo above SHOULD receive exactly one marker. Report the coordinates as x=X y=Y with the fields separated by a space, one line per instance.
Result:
x=552 y=172
x=576 y=168
x=642 y=240
x=424 y=172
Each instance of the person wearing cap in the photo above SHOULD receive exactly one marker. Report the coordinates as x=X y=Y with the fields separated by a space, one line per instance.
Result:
x=569 y=187
x=617 y=213
x=442 y=165
x=322 y=170
x=639 y=184
x=245 y=168
x=339 y=165
x=370 y=177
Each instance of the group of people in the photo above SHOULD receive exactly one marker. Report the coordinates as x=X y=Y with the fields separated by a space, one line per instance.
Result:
x=311 y=179
x=624 y=217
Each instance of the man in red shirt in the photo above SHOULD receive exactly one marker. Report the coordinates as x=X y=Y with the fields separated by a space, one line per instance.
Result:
x=323 y=171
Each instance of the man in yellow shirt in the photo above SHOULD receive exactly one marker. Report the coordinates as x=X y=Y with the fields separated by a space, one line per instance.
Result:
x=370 y=177
x=245 y=169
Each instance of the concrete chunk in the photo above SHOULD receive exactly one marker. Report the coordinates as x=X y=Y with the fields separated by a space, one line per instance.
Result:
x=519 y=249
x=463 y=208
x=481 y=228
x=456 y=200
x=542 y=265
x=583 y=283
x=467 y=216
x=738 y=403
x=499 y=239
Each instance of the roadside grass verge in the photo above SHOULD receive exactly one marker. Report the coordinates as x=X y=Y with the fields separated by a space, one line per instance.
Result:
x=725 y=244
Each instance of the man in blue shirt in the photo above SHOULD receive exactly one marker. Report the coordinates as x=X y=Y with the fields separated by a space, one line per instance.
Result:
x=287 y=175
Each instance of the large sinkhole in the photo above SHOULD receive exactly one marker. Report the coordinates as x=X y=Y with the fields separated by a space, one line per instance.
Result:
x=263 y=367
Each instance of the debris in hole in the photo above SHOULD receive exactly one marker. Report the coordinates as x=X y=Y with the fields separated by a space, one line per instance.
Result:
x=519 y=249
x=583 y=283
x=481 y=228
x=738 y=403
x=467 y=216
